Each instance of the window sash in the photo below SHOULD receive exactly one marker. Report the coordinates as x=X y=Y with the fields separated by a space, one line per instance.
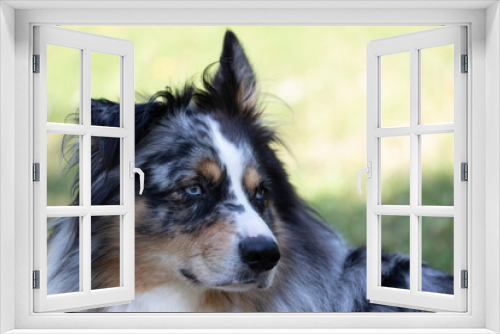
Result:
x=414 y=298
x=86 y=297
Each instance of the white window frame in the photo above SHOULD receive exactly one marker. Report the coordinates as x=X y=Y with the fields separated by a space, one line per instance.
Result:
x=85 y=44
x=413 y=44
x=483 y=21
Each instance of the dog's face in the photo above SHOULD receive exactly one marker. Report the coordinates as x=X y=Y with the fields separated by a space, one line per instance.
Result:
x=207 y=216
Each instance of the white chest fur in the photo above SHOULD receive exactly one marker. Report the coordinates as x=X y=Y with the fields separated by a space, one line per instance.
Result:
x=165 y=298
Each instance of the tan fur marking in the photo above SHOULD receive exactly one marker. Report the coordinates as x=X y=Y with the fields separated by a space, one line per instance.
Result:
x=251 y=179
x=210 y=170
x=106 y=271
x=160 y=259
x=250 y=102
x=149 y=271
x=213 y=242
x=215 y=301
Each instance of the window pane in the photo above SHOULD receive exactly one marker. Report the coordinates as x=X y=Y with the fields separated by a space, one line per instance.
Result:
x=63 y=257
x=395 y=235
x=63 y=84
x=437 y=84
x=106 y=171
x=437 y=169
x=63 y=157
x=437 y=253
x=395 y=89
x=395 y=170
x=105 y=241
x=105 y=84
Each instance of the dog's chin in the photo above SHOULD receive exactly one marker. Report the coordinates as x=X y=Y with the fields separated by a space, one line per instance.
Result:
x=236 y=287
x=262 y=281
x=231 y=284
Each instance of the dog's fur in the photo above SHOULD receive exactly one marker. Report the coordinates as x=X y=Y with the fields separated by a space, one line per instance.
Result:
x=213 y=179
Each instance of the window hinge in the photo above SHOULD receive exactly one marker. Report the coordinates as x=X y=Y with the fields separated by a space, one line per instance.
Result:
x=36 y=279
x=36 y=172
x=465 y=64
x=36 y=63
x=465 y=279
x=464 y=171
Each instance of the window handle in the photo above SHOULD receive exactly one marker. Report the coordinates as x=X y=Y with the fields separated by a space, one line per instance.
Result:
x=141 y=175
x=368 y=171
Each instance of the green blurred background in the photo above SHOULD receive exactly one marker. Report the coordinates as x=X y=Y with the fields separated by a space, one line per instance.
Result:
x=314 y=85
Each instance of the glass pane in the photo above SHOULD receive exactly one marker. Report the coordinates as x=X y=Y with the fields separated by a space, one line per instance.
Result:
x=437 y=169
x=105 y=85
x=106 y=171
x=395 y=89
x=437 y=84
x=395 y=235
x=395 y=170
x=63 y=258
x=437 y=253
x=105 y=241
x=63 y=156
x=63 y=84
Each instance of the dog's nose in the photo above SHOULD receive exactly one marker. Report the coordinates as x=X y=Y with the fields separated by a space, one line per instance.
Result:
x=259 y=253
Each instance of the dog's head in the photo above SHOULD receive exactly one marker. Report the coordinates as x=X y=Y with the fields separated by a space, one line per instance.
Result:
x=214 y=186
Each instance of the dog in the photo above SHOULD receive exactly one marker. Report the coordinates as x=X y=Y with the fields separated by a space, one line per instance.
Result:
x=219 y=227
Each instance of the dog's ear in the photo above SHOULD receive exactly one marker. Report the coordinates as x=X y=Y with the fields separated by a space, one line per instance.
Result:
x=107 y=113
x=235 y=75
x=106 y=150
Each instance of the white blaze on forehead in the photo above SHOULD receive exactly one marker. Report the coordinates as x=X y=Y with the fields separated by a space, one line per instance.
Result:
x=249 y=222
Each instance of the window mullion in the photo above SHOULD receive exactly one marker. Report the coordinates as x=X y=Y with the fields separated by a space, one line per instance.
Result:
x=85 y=183
x=80 y=130
x=85 y=252
x=127 y=112
x=80 y=211
x=414 y=170
x=420 y=129
x=80 y=197
x=406 y=210
x=86 y=163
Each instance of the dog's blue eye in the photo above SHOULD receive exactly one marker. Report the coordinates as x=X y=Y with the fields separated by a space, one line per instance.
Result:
x=261 y=194
x=194 y=190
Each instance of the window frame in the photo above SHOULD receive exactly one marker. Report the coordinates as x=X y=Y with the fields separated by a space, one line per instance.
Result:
x=86 y=45
x=483 y=50
x=413 y=44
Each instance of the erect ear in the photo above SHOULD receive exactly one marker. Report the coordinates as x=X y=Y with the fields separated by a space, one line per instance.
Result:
x=107 y=113
x=235 y=75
